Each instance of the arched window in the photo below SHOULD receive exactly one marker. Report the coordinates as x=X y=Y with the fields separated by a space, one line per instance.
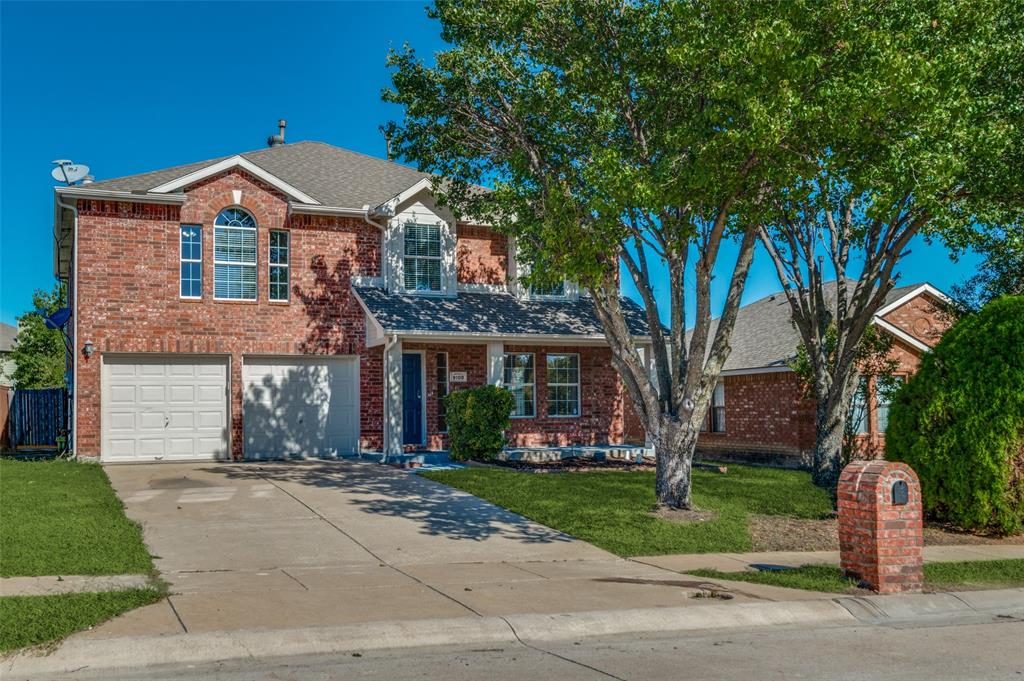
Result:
x=234 y=255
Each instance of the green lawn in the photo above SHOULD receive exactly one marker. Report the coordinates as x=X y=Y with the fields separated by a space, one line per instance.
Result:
x=31 y=620
x=937 y=576
x=63 y=518
x=612 y=509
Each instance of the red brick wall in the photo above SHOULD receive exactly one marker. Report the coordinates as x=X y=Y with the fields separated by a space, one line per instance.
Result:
x=481 y=256
x=129 y=294
x=469 y=358
x=767 y=420
x=921 y=317
x=601 y=402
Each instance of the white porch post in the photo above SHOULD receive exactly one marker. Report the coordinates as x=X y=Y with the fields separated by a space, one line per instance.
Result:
x=393 y=397
x=495 y=363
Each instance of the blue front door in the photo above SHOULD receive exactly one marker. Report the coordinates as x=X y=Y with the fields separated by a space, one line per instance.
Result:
x=412 y=399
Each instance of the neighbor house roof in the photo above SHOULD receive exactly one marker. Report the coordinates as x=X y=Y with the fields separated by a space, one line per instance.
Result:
x=333 y=176
x=490 y=314
x=764 y=336
x=7 y=336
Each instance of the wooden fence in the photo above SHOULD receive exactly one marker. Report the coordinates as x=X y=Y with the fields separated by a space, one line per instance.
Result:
x=38 y=417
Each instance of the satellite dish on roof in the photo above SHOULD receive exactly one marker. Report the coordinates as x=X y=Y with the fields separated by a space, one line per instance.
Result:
x=58 y=319
x=68 y=172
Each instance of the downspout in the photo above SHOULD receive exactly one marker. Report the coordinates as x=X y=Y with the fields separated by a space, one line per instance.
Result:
x=383 y=246
x=73 y=435
x=389 y=342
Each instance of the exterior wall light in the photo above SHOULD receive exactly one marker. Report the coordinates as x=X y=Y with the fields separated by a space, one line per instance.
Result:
x=88 y=349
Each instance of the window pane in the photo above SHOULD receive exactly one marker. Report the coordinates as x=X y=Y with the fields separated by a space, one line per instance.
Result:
x=235 y=217
x=191 y=261
x=234 y=282
x=278 y=283
x=279 y=248
x=886 y=388
x=423 y=257
x=563 y=385
x=234 y=245
x=859 y=408
x=556 y=289
x=518 y=378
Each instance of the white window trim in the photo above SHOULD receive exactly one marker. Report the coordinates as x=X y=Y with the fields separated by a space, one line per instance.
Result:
x=439 y=258
x=579 y=390
x=287 y=265
x=719 y=388
x=254 y=265
x=182 y=258
x=533 y=385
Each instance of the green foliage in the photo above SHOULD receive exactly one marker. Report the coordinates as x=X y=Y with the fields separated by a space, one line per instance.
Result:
x=1001 y=271
x=477 y=419
x=613 y=509
x=39 y=352
x=959 y=421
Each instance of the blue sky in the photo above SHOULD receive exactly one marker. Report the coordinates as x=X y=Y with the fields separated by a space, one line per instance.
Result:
x=131 y=87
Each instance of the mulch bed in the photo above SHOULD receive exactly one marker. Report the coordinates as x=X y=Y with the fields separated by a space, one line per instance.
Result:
x=778 y=533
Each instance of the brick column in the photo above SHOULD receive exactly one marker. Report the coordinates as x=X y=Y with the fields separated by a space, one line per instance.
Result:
x=880 y=533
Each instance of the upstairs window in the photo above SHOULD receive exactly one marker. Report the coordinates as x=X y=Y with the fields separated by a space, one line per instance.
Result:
x=234 y=255
x=422 y=258
x=191 y=261
x=563 y=385
x=279 y=269
x=519 y=381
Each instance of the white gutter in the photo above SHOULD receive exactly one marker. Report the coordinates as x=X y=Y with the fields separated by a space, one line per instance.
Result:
x=74 y=316
x=331 y=210
x=79 y=192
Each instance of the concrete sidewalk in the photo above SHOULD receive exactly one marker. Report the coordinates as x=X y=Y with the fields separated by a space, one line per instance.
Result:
x=739 y=562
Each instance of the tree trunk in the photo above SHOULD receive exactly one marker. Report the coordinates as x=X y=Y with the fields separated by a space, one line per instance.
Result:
x=830 y=423
x=673 y=452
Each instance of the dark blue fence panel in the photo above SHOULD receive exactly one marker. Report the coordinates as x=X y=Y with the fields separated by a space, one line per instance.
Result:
x=38 y=417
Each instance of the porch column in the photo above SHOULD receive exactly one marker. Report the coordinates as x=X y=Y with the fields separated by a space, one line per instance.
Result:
x=393 y=397
x=495 y=363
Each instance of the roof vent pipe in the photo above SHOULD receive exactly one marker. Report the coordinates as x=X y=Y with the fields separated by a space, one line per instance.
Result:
x=278 y=139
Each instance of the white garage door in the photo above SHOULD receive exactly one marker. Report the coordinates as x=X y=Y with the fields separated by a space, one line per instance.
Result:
x=300 y=407
x=164 y=408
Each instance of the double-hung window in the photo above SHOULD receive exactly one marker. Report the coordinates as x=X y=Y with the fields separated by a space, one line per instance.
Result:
x=442 y=391
x=563 y=385
x=279 y=265
x=191 y=261
x=885 y=388
x=519 y=380
x=234 y=255
x=718 y=408
x=858 y=417
x=422 y=257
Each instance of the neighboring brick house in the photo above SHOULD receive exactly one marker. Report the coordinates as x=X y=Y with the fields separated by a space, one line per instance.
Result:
x=305 y=300
x=761 y=411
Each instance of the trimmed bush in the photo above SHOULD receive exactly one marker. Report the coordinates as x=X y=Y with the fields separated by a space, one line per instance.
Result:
x=477 y=419
x=959 y=422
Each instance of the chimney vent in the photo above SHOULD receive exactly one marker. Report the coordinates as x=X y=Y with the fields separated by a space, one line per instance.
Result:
x=278 y=139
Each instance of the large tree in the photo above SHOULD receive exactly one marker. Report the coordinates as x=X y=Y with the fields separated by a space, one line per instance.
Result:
x=1000 y=272
x=924 y=141
x=632 y=137
x=39 y=353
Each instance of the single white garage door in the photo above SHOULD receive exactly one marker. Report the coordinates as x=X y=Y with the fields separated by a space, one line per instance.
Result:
x=297 y=407
x=164 y=407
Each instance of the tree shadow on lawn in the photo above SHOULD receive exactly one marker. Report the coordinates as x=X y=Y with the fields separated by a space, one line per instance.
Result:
x=439 y=510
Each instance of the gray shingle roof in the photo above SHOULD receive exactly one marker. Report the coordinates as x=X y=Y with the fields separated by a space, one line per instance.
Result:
x=764 y=335
x=490 y=313
x=331 y=175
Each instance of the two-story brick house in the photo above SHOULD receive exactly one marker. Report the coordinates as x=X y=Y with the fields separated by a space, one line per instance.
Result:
x=305 y=300
x=761 y=412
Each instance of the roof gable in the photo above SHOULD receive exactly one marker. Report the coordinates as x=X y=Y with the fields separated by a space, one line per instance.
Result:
x=195 y=176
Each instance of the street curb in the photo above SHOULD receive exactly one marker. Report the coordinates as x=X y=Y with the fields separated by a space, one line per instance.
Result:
x=144 y=651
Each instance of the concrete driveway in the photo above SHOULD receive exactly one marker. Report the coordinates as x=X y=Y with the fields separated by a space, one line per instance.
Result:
x=295 y=544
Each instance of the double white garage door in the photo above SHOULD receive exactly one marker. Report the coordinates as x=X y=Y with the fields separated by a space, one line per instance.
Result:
x=177 y=407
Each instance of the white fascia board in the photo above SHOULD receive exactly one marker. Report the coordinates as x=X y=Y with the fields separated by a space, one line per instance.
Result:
x=514 y=338
x=756 y=370
x=902 y=300
x=326 y=210
x=227 y=164
x=390 y=206
x=80 y=192
x=901 y=334
x=378 y=337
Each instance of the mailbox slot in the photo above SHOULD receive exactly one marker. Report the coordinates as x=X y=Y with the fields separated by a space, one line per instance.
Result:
x=900 y=493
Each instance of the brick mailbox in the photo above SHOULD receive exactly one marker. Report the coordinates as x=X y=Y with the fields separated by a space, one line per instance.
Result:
x=880 y=534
